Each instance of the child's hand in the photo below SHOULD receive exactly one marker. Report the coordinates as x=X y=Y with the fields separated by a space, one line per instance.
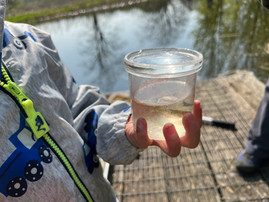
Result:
x=192 y=123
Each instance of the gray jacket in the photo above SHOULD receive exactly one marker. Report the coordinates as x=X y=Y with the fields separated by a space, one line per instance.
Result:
x=82 y=122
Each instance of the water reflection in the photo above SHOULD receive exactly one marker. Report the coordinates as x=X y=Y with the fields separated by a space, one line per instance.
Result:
x=167 y=23
x=231 y=35
x=99 y=52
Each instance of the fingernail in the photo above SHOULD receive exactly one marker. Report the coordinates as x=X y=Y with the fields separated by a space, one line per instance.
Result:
x=170 y=129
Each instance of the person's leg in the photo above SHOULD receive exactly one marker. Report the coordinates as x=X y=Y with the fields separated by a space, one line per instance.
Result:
x=257 y=144
x=258 y=140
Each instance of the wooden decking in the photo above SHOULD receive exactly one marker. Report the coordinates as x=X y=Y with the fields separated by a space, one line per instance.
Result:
x=206 y=173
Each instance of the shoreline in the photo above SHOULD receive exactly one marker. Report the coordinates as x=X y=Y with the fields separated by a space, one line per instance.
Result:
x=61 y=12
x=93 y=10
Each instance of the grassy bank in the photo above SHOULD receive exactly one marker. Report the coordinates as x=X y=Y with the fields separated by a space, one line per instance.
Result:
x=35 y=11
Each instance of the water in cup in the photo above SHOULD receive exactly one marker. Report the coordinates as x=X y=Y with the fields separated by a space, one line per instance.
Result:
x=160 y=102
x=162 y=86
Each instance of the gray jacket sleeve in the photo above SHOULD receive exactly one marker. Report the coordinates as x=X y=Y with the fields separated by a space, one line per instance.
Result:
x=112 y=144
x=80 y=119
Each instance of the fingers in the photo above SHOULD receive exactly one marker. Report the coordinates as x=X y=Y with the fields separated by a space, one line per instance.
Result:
x=192 y=124
x=192 y=134
x=172 y=140
x=129 y=130
x=137 y=137
x=172 y=145
x=197 y=111
x=143 y=140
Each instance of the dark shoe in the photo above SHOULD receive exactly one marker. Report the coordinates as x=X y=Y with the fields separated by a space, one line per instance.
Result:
x=247 y=164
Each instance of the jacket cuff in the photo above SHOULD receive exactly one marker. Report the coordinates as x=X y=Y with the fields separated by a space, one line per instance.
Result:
x=112 y=143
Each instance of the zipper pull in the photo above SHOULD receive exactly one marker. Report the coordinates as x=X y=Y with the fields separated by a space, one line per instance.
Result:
x=35 y=120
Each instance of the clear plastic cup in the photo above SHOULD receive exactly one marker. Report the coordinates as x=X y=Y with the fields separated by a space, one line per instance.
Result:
x=162 y=86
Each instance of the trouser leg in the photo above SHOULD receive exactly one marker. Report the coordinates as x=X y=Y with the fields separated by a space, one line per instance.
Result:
x=258 y=140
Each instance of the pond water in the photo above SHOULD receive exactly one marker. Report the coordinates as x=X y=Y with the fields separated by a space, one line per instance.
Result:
x=230 y=34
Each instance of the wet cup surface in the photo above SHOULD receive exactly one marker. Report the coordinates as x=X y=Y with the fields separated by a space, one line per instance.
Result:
x=162 y=86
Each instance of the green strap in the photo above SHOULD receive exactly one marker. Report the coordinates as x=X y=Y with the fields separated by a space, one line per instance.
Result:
x=40 y=128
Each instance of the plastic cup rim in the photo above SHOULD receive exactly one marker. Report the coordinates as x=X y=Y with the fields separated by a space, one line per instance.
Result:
x=147 y=69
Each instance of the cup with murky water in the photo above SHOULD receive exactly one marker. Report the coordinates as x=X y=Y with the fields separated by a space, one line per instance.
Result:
x=162 y=86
